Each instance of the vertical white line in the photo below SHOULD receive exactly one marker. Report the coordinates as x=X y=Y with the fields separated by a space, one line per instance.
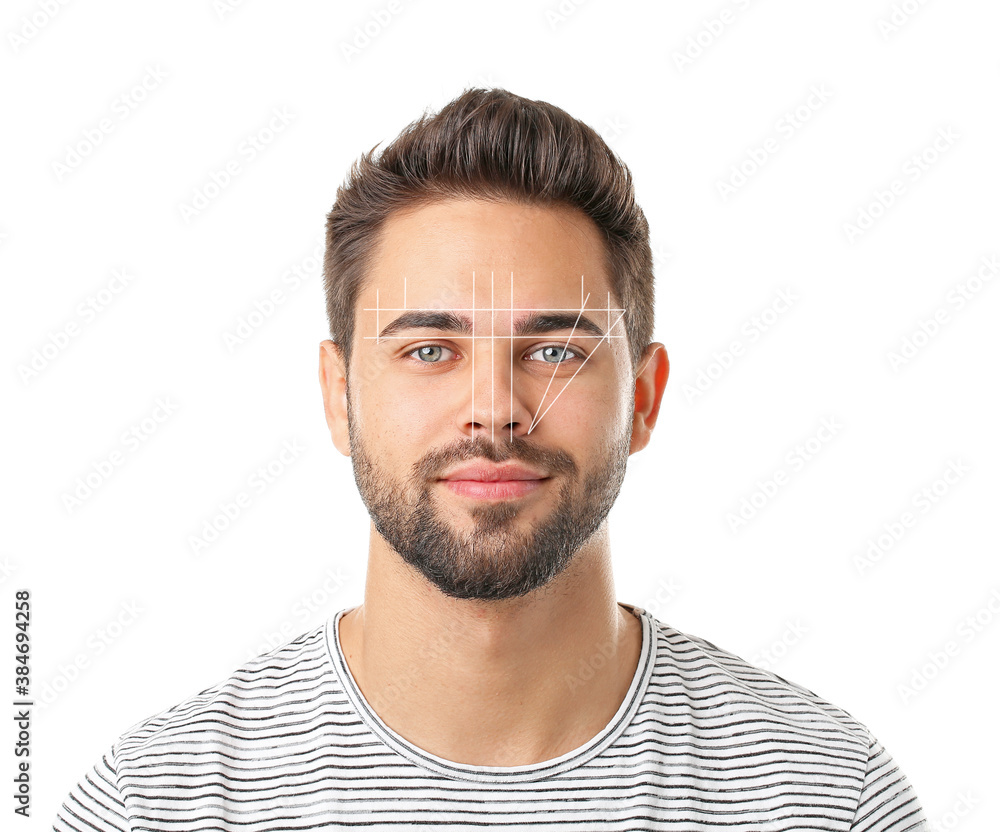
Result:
x=492 y=348
x=512 y=353
x=404 y=292
x=472 y=349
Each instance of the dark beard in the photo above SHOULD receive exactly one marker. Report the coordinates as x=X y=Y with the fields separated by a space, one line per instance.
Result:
x=494 y=561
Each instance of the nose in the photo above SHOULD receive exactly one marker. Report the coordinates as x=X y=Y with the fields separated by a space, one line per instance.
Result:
x=495 y=405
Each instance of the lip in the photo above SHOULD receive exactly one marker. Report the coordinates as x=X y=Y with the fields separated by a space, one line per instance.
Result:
x=487 y=472
x=486 y=481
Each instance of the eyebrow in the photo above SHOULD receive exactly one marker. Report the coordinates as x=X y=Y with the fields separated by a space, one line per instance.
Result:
x=534 y=324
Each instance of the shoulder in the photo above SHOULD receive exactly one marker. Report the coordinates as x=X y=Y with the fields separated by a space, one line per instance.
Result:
x=708 y=709
x=263 y=688
x=721 y=688
x=203 y=734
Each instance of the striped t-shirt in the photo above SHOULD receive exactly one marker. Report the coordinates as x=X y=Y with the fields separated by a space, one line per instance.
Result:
x=702 y=741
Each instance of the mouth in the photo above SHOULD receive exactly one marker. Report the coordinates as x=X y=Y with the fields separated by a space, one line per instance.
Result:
x=487 y=481
x=493 y=489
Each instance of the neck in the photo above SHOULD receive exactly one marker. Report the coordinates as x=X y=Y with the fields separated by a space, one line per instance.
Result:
x=500 y=683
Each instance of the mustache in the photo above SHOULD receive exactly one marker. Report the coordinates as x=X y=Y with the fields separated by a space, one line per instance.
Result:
x=433 y=464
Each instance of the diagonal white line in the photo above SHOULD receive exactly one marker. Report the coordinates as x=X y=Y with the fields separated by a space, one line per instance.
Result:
x=554 y=369
x=535 y=424
x=644 y=366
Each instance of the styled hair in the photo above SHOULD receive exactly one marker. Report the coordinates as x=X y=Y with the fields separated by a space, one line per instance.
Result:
x=491 y=145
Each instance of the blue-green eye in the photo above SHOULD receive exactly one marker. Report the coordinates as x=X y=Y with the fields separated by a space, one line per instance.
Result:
x=556 y=355
x=429 y=354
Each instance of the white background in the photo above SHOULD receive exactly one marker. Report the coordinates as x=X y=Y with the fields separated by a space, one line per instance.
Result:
x=785 y=590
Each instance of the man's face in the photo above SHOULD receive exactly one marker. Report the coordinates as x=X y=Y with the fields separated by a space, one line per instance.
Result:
x=432 y=395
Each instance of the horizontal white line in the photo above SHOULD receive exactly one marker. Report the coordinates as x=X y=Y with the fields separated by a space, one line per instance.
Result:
x=475 y=337
x=485 y=309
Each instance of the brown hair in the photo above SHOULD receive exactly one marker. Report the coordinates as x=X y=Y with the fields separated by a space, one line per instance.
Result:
x=497 y=146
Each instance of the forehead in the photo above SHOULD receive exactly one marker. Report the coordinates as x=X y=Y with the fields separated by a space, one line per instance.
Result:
x=437 y=255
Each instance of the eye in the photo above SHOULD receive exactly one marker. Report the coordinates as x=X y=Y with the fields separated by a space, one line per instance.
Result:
x=556 y=354
x=429 y=353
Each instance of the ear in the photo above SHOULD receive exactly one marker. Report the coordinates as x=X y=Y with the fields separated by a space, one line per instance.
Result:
x=333 y=381
x=654 y=367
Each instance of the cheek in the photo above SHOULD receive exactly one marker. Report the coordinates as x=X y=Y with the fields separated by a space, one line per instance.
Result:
x=399 y=419
x=601 y=401
x=604 y=390
x=588 y=417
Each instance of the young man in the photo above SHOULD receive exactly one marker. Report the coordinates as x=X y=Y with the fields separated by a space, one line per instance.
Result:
x=490 y=295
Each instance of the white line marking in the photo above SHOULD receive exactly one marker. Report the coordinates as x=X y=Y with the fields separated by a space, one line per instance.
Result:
x=556 y=367
x=571 y=378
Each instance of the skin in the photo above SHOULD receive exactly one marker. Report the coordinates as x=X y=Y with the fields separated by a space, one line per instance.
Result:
x=486 y=682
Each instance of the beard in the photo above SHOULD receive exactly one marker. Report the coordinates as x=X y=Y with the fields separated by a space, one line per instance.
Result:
x=494 y=560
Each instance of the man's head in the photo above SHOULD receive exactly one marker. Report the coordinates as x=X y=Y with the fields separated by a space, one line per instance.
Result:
x=489 y=289
x=491 y=145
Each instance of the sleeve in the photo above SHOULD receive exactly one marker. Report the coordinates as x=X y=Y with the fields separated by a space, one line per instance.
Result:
x=887 y=802
x=95 y=804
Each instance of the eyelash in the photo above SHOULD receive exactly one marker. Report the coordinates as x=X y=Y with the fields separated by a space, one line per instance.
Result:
x=566 y=351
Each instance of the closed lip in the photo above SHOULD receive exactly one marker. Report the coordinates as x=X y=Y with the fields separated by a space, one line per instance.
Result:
x=484 y=472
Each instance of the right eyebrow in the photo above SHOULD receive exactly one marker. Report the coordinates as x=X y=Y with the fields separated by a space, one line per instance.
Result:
x=420 y=319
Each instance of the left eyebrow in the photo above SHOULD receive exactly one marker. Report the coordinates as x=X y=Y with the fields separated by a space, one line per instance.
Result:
x=534 y=324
